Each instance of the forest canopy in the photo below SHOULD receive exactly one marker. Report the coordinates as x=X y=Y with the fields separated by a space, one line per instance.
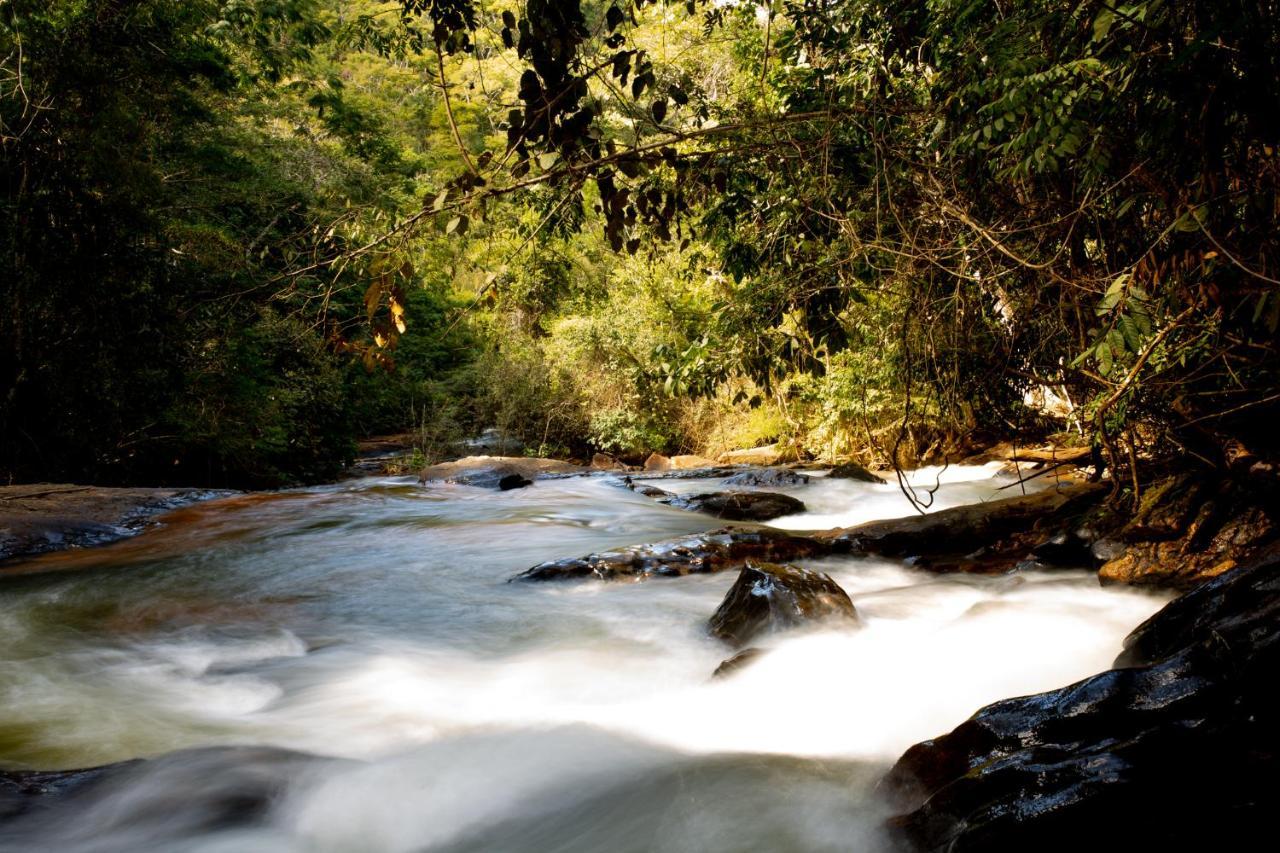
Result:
x=239 y=235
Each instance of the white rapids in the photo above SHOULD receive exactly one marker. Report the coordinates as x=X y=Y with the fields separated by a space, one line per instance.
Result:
x=369 y=628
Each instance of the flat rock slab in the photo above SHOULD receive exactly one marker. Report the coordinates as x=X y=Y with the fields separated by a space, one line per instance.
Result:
x=964 y=528
x=1175 y=749
x=700 y=553
x=492 y=471
x=38 y=518
x=768 y=597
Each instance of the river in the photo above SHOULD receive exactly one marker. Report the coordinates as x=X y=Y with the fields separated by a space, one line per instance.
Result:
x=426 y=704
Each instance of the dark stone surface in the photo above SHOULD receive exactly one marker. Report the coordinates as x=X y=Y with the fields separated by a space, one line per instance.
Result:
x=739 y=506
x=988 y=537
x=767 y=478
x=854 y=471
x=1175 y=749
x=768 y=597
x=731 y=506
x=44 y=517
x=700 y=553
x=733 y=664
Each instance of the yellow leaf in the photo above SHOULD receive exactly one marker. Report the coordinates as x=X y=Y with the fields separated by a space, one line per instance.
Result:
x=379 y=339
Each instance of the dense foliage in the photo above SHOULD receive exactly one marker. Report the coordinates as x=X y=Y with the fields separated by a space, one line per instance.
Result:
x=244 y=232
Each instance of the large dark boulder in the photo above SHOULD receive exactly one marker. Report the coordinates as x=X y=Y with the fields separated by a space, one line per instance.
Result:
x=739 y=506
x=1175 y=749
x=769 y=597
x=770 y=478
x=854 y=471
x=701 y=553
x=731 y=506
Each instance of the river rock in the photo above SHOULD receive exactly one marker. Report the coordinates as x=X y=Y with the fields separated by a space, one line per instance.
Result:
x=1176 y=749
x=988 y=537
x=854 y=471
x=739 y=506
x=768 y=478
x=770 y=597
x=43 y=517
x=701 y=553
x=731 y=506
x=498 y=472
x=605 y=462
x=1193 y=527
x=735 y=663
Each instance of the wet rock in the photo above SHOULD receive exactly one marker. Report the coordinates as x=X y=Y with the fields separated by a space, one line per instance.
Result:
x=657 y=462
x=23 y=790
x=1065 y=548
x=1189 y=529
x=964 y=530
x=1167 y=509
x=701 y=553
x=768 y=478
x=498 y=472
x=739 y=506
x=769 y=597
x=854 y=471
x=1176 y=749
x=731 y=506
x=733 y=664
x=44 y=517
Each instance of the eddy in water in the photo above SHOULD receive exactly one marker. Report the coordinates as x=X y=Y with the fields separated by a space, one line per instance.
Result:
x=346 y=668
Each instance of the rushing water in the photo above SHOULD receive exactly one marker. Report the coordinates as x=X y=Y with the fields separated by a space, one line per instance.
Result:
x=432 y=706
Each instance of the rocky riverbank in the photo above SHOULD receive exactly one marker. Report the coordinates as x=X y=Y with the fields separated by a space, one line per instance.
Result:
x=43 y=517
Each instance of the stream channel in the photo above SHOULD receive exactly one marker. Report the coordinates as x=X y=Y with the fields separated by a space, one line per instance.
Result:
x=345 y=668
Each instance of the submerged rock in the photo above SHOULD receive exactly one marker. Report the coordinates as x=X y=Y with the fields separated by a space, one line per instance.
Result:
x=768 y=477
x=854 y=471
x=700 y=553
x=769 y=597
x=165 y=801
x=1177 y=748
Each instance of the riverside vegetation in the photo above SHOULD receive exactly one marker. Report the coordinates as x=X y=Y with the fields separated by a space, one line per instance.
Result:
x=239 y=236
